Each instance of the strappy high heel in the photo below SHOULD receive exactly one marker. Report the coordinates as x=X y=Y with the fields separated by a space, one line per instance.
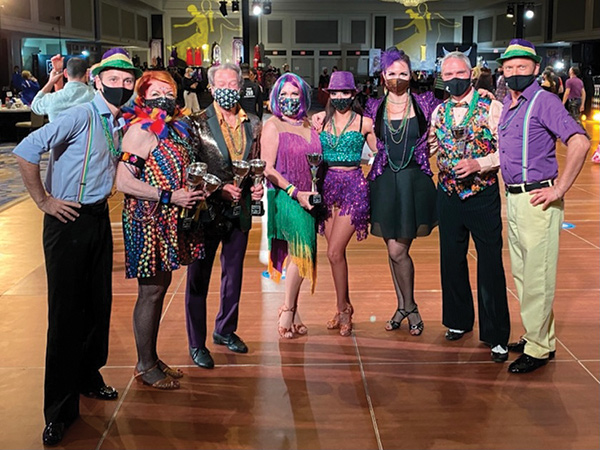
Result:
x=416 y=329
x=334 y=323
x=345 y=321
x=166 y=383
x=392 y=324
x=286 y=333
x=298 y=327
x=173 y=373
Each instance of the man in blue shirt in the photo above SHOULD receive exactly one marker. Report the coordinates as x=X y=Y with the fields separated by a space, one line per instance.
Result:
x=77 y=238
x=75 y=92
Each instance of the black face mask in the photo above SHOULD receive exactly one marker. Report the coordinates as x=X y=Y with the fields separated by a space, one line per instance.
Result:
x=116 y=96
x=166 y=104
x=519 y=83
x=341 y=104
x=457 y=86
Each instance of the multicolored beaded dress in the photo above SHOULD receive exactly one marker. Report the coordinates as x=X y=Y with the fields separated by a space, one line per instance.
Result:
x=292 y=229
x=152 y=239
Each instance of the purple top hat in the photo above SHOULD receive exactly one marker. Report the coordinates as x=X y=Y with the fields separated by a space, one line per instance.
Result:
x=341 y=81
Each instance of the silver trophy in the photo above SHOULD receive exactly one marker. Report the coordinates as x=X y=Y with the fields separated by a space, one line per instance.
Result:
x=194 y=174
x=314 y=160
x=205 y=212
x=257 y=170
x=240 y=171
x=460 y=135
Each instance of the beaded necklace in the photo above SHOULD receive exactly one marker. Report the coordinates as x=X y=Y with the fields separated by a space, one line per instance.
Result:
x=403 y=164
x=449 y=117
x=240 y=144
x=331 y=137
x=402 y=127
x=108 y=135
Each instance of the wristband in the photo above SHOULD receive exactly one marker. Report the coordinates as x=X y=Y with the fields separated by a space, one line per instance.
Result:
x=294 y=194
x=287 y=189
x=165 y=197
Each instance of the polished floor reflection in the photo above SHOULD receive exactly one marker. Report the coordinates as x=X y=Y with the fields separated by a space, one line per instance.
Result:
x=373 y=390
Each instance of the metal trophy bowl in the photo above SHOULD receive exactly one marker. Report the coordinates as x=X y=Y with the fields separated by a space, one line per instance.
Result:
x=460 y=135
x=314 y=160
x=240 y=171
x=193 y=178
x=257 y=170
x=205 y=211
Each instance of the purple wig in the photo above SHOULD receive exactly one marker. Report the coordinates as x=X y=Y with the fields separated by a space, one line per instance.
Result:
x=296 y=81
x=391 y=55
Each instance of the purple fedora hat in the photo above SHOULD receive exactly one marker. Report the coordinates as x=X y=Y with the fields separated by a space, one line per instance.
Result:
x=341 y=81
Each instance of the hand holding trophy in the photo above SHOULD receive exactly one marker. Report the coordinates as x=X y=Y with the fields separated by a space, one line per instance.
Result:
x=194 y=177
x=257 y=169
x=314 y=160
x=205 y=211
x=240 y=170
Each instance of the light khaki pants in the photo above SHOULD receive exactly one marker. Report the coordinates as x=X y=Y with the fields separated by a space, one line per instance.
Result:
x=533 y=239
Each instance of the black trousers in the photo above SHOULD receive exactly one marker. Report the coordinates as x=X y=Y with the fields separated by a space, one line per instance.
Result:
x=477 y=216
x=79 y=271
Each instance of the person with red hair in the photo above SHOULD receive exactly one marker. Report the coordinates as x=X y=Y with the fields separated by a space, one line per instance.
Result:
x=151 y=174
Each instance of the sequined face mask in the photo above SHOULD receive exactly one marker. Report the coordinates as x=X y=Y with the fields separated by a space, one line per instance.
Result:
x=166 y=104
x=341 y=104
x=226 y=98
x=289 y=106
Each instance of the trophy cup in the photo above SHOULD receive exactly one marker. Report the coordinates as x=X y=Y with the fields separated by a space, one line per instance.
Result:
x=240 y=170
x=205 y=212
x=314 y=159
x=257 y=169
x=194 y=173
x=459 y=133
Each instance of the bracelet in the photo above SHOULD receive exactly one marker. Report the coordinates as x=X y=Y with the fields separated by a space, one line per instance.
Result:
x=295 y=194
x=164 y=196
x=287 y=189
x=291 y=191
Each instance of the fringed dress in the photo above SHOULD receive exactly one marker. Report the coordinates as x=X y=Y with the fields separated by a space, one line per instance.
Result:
x=291 y=228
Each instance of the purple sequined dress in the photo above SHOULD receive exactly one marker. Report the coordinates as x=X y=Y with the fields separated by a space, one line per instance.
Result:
x=346 y=190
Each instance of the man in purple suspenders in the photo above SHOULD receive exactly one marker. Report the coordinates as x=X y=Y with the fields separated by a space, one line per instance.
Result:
x=531 y=121
x=85 y=143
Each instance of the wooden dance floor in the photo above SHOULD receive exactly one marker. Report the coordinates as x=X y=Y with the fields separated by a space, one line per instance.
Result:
x=373 y=390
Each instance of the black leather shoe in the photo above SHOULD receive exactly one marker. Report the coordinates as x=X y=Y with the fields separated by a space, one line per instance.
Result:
x=53 y=433
x=202 y=358
x=232 y=341
x=519 y=347
x=526 y=364
x=102 y=393
x=453 y=336
x=499 y=357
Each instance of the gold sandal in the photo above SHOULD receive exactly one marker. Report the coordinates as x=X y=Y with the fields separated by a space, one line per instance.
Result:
x=173 y=373
x=166 y=383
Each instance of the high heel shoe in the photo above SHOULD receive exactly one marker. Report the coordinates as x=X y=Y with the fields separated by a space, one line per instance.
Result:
x=166 y=383
x=334 y=323
x=416 y=329
x=173 y=373
x=286 y=333
x=346 y=320
x=297 y=326
x=392 y=324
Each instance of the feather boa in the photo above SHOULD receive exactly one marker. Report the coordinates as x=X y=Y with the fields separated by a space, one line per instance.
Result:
x=156 y=120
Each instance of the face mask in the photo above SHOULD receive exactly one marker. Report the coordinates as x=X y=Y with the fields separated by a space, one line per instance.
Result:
x=520 y=82
x=397 y=86
x=341 y=104
x=226 y=98
x=116 y=96
x=166 y=104
x=457 y=86
x=289 y=106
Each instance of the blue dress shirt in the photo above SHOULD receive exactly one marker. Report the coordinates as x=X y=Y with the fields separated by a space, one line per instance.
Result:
x=67 y=136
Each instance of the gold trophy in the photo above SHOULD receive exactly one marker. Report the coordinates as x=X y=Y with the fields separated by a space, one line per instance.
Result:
x=314 y=160
x=205 y=212
x=194 y=177
x=240 y=171
x=257 y=170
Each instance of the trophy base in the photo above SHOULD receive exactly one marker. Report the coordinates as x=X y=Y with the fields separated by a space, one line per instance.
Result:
x=234 y=212
x=315 y=199
x=257 y=209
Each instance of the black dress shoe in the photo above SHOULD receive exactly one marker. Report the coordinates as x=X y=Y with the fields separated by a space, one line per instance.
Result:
x=53 y=433
x=453 y=336
x=519 y=347
x=101 y=393
x=499 y=357
x=202 y=358
x=526 y=364
x=232 y=341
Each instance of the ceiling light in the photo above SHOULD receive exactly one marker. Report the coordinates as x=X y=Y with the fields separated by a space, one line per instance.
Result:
x=256 y=8
x=235 y=5
x=529 y=13
x=510 y=11
x=223 y=7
